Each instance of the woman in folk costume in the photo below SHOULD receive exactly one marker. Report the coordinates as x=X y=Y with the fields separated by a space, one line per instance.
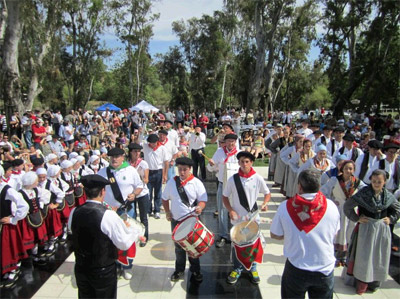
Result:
x=52 y=218
x=280 y=145
x=13 y=209
x=333 y=172
x=290 y=175
x=33 y=228
x=368 y=255
x=53 y=174
x=94 y=163
x=297 y=160
x=319 y=162
x=340 y=189
x=77 y=172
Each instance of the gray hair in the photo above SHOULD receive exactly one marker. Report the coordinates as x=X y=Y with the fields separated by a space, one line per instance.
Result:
x=309 y=181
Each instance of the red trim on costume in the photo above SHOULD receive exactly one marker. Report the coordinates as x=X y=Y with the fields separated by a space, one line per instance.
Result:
x=246 y=175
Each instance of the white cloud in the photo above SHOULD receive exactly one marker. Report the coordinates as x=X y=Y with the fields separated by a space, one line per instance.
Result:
x=173 y=10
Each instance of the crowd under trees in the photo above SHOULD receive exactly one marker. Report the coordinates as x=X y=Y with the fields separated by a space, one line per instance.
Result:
x=252 y=54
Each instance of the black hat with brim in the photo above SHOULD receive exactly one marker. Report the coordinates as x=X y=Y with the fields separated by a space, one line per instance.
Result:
x=391 y=145
x=375 y=144
x=153 y=138
x=184 y=161
x=230 y=136
x=246 y=155
x=134 y=146
x=94 y=181
x=228 y=125
x=116 y=151
x=349 y=137
x=165 y=132
x=17 y=162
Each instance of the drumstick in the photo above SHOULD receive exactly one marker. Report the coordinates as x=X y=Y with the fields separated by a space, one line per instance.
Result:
x=201 y=153
x=250 y=221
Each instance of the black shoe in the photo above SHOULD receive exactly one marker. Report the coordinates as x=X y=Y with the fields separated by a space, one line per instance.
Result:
x=216 y=214
x=275 y=185
x=221 y=243
x=196 y=277
x=177 y=275
x=143 y=244
x=8 y=283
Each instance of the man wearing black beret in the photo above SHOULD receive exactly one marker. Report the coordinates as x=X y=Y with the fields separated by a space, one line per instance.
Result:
x=336 y=142
x=172 y=151
x=187 y=195
x=391 y=165
x=366 y=160
x=325 y=138
x=97 y=234
x=348 y=149
x=156 y=155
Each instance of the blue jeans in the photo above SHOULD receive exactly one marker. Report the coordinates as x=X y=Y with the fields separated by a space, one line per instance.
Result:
x=296 y=282
x=237 y=266
x=223 y=218
x=28 y=139
x=171 y=172
x=143 y=204
x=155 y=183
x=180 y=254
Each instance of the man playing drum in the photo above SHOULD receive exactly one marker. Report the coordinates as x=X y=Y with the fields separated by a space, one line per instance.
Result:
x=188 y=196
x=243 y=189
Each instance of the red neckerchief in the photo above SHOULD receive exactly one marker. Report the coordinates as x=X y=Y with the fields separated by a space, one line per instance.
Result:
x=347 y=193
x=306 y=214
x=5 y=180
x=163 y=143
x=136 y=163
x=246 y=175
x=317 y=164
x=229 y=154
x=183 y=183
x=157 y=146
x=16 y=172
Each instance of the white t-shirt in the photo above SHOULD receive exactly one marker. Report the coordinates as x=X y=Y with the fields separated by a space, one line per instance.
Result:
x=197 y=142
x=232 y=163
x=313 y=251
x=128 y=181
x=252 y=187
x=155 y=158
x=194 y=189
x=141 y=169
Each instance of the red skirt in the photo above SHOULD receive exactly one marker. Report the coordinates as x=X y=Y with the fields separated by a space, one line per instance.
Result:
x=65 y=214
x=12 y=248
x=32 y=236
x=79 y=201
x=53 y=224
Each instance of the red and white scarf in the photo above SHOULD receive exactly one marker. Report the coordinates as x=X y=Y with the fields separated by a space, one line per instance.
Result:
x=246 y=175
x=229 y=154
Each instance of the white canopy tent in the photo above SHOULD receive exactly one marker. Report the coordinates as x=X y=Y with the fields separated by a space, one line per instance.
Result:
x=144 y=106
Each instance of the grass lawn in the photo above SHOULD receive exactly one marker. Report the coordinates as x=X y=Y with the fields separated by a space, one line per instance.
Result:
x=211 y=148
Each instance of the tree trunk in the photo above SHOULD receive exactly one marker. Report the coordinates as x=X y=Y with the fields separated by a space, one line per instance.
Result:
x=137 y=71
x=3 y=21
x=223 y=83
x=11 y=88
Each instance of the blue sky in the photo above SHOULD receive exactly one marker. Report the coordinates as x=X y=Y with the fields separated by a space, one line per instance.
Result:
x=170 y=11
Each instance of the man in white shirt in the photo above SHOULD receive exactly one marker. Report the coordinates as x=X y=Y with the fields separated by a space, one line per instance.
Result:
x=336 y=142
x=348 y=148
x=240 y=199
x=308 y=223
x=304 y=128
x=172 y=150
x=366 y=161
x=325 y=138
x=181 y=207
x=172 y=133
x=197 y=142
x=156 y=155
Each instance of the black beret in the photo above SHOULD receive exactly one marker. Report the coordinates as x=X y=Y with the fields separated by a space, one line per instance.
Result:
x=17 y=162
x=37 y=161
x=153 y=138
x=165 y=132
x=246 y=154
x=317 y=132
x=184 y=161
x=134 y=146
x=338 y=129
x=328 y=127
x=391 y=145
x=94 y=181
x=168 y=121
x=228 y=125
x=116 y=151
x=349 y=137
x=230 y=136
x=7 y=165
x=375 y=144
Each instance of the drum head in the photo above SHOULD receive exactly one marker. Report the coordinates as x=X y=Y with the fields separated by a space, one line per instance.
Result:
x=242 y=236
x=185 y=227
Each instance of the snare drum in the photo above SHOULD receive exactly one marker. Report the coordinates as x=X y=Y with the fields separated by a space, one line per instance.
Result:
x=248 y=243
x=193 y=236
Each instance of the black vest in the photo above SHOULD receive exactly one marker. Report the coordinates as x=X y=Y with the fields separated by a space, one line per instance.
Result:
x=53 y=197
x=354 y=153
x=5 y=205
x=93 y=249
x=32 y=202
x=364 y=166
x=396 y=174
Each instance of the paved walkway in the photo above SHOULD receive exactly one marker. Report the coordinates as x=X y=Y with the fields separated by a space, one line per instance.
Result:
x=155 y=263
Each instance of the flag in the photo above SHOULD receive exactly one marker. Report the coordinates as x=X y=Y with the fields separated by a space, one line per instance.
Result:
x=249 y=254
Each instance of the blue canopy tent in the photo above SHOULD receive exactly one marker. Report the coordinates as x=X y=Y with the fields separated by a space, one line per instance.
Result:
x=110 y=107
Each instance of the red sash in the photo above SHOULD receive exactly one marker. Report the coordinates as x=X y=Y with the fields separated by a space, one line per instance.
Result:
x=229 y=154
x=306 y=214
x=246 y=175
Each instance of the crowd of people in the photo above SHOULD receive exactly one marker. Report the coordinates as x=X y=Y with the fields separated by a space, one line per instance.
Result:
x=319 y=163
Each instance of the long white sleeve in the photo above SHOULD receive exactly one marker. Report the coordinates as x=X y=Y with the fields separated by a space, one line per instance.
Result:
x=19 y=206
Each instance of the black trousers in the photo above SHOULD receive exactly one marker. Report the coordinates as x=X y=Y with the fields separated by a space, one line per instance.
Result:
x=96 y=283
x=198 y=162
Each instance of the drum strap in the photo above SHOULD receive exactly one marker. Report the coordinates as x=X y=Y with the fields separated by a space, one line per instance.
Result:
x=115 y=188
x=183 y=195
x=242 y=195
